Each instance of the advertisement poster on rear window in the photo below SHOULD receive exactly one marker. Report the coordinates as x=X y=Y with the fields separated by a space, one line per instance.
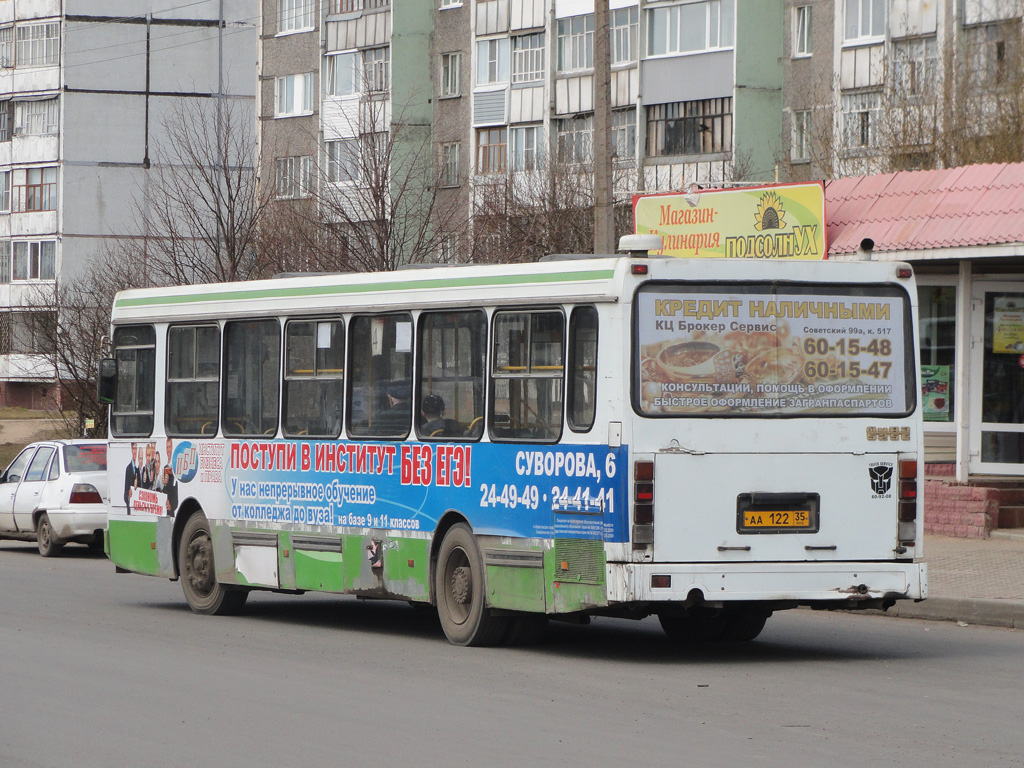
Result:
x=705 y=352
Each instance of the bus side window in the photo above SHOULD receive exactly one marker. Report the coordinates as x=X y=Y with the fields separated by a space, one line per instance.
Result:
x=314 y=378
x=252 y=362
x=581 y=392
x=380 y=376
x=135 y=351
x=193 y=380
x=452 y=358
x=527 y=357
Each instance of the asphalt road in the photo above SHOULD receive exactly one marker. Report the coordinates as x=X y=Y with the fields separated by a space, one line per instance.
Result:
x=99 y=669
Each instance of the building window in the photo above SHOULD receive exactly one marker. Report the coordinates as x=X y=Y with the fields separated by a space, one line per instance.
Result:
x=624 y=23
x=575 y=139
x=295 y=15
x=26 y=333
x=5 y=261
x=6 y=120
x=34 y=260
x=451 y=74
x=451 y=3
x=451 y=248
x=689 y=127
x=861 y=112
x=5 y=191
x=865 y=19
x=36 y=118
x=6 y=47
x=342 y=74
x=491 y=145
x=800 y=145
x=492 y=61
x=690 y=28
x=38 y=45
x=624 y=134
x=576 y=43
x=376 y=70
x=527 y=147
x=342 y=160
x=295 y=95
x=294 y=177
x=992 y=51
x=39 y=192
x=915 y=65
x=802 y=31
x=451 y=164
x=937 y=350
x=528 y=58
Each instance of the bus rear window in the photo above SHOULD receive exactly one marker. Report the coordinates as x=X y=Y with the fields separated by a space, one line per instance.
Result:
x=773 y=350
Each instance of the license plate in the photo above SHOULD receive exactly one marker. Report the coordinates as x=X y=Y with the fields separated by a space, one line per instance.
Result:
x=777 y=512
x=795 y=519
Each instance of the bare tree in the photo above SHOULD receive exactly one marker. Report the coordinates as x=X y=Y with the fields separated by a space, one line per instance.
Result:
x=198 y=211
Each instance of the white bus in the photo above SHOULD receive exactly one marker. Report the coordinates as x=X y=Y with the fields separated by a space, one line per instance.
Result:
x=706 y=440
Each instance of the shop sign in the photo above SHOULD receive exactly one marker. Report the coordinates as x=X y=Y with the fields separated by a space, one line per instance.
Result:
x=1008 y=325
x=781 y=221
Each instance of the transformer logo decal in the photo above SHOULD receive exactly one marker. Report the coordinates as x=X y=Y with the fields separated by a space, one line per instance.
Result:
x=881 y=479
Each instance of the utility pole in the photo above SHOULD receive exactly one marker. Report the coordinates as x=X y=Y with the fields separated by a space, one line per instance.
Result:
x=604 y=208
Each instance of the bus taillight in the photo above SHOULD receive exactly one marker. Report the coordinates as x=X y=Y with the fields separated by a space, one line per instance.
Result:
x=643 y=504
x=908 y=502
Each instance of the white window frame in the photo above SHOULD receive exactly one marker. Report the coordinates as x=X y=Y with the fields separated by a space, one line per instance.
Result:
x=492 y=61
x=294 y=95
x=576 y=43
x=344 y=164
x=800 y=143
x=451 y=164
x=6 y=47
x=37 y=45
x=861 y=112
x=864 y=21
x=527 y=150
x=294 y=177
x=37 y=118
x=575 y=140
x=5 y=191
x=35 y=260
x=451 y=75
x=690 y=28
x=295 y=16
x=451 y=4
x=528 y=58
x=624 y=134
x=342 y=74
x=376 y=70
x=915 y=65
x=625 y=26
x=803 y=44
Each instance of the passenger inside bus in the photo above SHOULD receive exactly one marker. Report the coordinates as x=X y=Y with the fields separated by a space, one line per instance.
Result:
x=395 y=419
x=433 y=423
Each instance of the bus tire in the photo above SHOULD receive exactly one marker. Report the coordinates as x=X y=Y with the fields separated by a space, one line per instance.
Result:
x=525 y=629
x=744 y=626
x=198 y=574
x=703 y=627
x=460 y=585
x=46 y=539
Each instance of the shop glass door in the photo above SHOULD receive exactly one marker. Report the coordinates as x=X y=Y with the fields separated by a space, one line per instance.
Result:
x=997 y=399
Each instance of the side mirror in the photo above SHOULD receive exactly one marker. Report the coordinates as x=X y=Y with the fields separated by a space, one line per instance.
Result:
x=106 y=383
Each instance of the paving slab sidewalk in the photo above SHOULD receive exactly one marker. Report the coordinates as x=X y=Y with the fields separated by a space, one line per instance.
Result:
x=974 y=581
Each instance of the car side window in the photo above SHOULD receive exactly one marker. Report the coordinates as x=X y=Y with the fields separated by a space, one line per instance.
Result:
x=54 y=467
x=37 y=468
x=16 y=471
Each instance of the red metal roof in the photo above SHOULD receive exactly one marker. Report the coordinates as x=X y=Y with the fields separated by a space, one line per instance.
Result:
x=914 y=210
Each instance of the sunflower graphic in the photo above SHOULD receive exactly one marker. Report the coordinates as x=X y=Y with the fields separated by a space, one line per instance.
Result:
x=770 y=214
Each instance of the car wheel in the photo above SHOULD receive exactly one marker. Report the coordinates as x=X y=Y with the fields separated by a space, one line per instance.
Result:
x=49 y=546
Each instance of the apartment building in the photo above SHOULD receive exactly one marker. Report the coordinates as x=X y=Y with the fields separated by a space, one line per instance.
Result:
x=888 y=85
x=85 y=88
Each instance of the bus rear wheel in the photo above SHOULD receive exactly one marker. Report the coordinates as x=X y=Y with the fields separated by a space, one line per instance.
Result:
x=743 y=626
x=695 y=627
x=203 y=592
x=460 y=585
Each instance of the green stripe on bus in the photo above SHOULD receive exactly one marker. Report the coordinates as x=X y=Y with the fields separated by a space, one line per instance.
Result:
x=332 y=290
x=131 y=546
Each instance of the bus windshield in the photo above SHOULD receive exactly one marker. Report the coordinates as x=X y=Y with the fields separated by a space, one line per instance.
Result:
x=773 y=350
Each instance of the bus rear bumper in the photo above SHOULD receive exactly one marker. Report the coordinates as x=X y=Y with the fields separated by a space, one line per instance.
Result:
x=816 y=583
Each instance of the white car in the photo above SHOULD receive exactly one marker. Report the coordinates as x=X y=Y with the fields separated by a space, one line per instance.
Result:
x=55 y=491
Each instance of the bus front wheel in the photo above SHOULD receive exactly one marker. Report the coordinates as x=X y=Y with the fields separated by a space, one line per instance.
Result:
x=203 y=592
x=460 y=586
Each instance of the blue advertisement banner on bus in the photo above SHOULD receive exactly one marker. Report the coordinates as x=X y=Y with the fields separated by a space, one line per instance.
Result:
x=568 y=491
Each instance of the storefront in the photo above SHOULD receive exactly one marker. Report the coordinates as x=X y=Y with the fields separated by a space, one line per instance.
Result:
x=963 y=231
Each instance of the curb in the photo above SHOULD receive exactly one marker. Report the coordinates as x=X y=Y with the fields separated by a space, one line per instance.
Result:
x=992 y=613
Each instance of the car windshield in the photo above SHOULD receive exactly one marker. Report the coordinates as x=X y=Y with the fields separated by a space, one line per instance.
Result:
x=85 y=458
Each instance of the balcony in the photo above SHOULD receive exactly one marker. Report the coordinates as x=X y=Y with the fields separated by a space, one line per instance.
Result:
x=353 y=6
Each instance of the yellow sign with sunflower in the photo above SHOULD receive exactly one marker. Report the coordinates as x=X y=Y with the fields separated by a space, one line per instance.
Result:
x=781 y=221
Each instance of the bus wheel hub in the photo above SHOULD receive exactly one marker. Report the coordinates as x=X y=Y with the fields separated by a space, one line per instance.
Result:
x=462 y=584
